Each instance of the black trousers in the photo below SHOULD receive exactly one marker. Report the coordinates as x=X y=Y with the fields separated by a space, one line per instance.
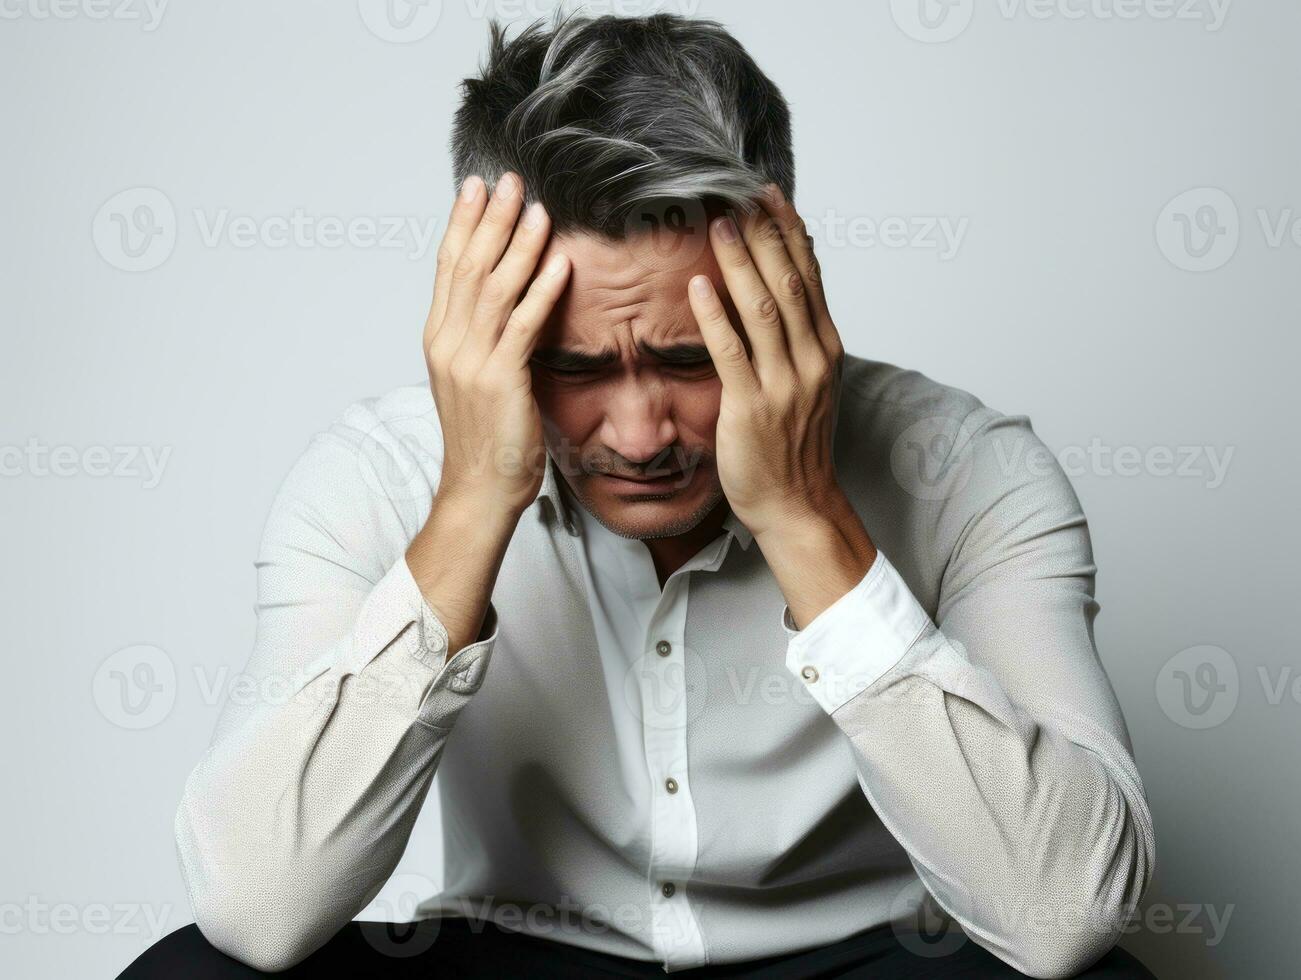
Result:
x=454 y=947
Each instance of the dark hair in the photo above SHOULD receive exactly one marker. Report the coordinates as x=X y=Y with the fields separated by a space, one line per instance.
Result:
x=602 y=115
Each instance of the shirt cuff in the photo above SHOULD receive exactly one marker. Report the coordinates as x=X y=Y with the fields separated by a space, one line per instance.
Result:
x=856 y=639
x=455 y=680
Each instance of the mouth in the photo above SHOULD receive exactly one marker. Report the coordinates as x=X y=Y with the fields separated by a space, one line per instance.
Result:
x=634 y=485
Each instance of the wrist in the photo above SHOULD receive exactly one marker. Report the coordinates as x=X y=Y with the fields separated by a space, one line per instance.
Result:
x=817 y=557
x=454 y=560
x=474 y=515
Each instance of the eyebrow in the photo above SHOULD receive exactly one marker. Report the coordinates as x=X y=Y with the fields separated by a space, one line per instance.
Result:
x=565 y=359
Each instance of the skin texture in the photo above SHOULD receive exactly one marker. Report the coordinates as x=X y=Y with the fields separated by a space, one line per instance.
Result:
x=639 y=416
x=744 y=422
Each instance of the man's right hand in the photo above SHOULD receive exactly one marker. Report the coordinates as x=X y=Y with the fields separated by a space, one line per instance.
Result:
x=479 y=338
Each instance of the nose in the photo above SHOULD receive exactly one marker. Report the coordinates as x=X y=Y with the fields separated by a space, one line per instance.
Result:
x=638 y=424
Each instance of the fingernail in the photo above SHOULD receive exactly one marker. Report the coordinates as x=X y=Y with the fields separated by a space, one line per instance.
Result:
x=506 y=186
x=470 y=189
x=556 y=265
x=534 y=215
x=726 y=229
x=701 y=286
x=776 y=196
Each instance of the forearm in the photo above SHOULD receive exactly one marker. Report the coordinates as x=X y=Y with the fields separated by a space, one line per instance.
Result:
x=455 y=559
x=1016 y=797
x=817 y=557
x=1033 y=832
x=302 y=806
x=289 y=824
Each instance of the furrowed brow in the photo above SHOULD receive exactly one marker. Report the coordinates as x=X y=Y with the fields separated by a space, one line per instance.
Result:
x=563 y=359
x=675 y=353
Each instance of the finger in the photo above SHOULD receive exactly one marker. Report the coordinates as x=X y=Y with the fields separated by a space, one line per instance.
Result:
x=756 y=307
x=725 y=347
x=767 y=247
x=799 y=244
x=502 y=289
x=481 y=256
x=466 y=212
x=520 y=333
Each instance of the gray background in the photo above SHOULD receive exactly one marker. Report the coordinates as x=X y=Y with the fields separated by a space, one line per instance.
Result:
x=1119 y=168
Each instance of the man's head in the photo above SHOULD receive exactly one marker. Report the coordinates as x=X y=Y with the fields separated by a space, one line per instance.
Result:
x=632 y=133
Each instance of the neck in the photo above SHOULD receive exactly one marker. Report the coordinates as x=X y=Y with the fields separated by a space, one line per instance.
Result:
x=670 y=554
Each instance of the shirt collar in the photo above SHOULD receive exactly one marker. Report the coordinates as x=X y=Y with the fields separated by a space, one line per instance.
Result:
x=550 y=492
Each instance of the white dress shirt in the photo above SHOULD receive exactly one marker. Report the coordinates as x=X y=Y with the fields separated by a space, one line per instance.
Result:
x=648 y=706
x=681 y=776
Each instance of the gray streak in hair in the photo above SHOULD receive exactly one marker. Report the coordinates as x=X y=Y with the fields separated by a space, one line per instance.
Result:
x=600 y=116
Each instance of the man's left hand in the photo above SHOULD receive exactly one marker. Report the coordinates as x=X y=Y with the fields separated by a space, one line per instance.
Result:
x=777 y=413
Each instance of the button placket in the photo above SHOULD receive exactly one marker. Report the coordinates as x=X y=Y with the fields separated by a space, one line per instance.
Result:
x=673 y=817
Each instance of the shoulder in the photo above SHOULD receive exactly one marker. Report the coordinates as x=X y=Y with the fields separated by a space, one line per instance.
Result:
x=901 y=419
x=389 y=440
x=943 y=472
x=366 y=478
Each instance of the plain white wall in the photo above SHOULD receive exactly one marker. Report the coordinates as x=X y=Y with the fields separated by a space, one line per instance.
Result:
x=1048 y=137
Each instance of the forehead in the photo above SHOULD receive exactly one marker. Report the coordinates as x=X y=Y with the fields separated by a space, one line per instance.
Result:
x=622 y=291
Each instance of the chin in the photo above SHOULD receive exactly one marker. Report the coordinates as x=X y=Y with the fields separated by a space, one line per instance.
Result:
x=640 y=513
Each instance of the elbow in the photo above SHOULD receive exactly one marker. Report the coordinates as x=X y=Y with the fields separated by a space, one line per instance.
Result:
x=1065 y=955
x=1063 y=935
x=257 y=929
x=263 y=946
x=1063 y=932
x=242 y=910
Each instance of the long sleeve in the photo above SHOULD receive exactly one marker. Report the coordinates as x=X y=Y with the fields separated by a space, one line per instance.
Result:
x=303 y=804
x=989 y=740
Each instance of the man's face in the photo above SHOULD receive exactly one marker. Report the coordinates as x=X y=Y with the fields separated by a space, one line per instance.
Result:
x=625 y=384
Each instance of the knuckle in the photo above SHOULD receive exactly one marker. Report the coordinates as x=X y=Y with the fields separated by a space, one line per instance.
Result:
x=446 y=258
x=737 y=258
x=767 y=234
x=465 y=270
x=494 y=290
x=516 y=324
x=795 y=227
x=734 y=350
x=489 y=379
x=765 y=309
x=793 y=284
x=482 y=381
x=820 y=369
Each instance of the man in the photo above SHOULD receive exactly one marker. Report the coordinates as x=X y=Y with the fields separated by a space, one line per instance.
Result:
x=727 y=648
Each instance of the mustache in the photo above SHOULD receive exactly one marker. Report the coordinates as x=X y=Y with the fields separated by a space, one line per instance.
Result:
x=670 y=461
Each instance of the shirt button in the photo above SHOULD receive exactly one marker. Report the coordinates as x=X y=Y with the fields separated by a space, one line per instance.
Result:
x=809 y=673
x=663 y=648
x=671 y=785
x=668 y=890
